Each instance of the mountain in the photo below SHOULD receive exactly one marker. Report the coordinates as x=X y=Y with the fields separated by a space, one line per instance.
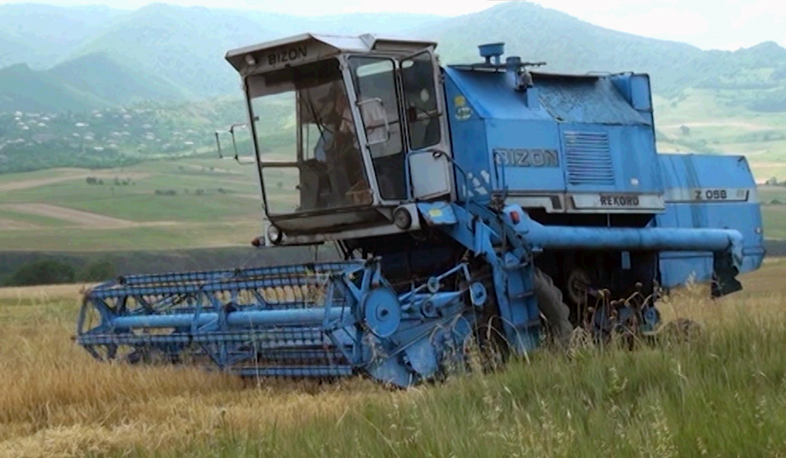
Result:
x=22 y=88
x=567 y=44
x=84 y=83
x=153 y=82
x=115 y=83
x=12 y=51
x=50 y=32
x=178 y=52
x=184 y=46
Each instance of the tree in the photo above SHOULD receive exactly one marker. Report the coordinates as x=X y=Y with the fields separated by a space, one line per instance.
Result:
x=97 y=271
x=45 y=272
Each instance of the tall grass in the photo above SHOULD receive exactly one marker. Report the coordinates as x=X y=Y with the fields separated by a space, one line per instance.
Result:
x=722 y=393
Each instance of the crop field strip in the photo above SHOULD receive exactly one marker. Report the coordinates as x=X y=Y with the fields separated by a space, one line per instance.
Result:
x=215 y=202
x=722 y=393
x=58 y=210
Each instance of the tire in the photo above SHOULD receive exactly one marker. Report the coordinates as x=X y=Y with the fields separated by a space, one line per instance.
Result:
x=552 y=306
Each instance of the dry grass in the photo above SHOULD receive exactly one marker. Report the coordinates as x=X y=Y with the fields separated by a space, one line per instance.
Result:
x=57 y=401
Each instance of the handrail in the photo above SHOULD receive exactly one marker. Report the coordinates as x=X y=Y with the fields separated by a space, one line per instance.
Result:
x=504 y=183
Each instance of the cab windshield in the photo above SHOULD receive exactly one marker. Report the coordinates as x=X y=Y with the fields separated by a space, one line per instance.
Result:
x=309 y=153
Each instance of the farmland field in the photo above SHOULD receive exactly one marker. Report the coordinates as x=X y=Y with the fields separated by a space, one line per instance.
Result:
x=155 y=205
x=722 y=394
x=187 y=203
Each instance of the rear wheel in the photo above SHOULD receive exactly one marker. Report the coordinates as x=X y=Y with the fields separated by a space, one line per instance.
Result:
x=553 y=308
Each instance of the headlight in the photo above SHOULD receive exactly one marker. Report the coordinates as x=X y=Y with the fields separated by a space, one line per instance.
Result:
x=273 y=234
x=402 y=218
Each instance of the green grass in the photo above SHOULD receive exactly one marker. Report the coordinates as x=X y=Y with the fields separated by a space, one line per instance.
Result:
x=37 y=220
x=702 y=105
x=138 y=202
x=177 y=236
x=774 y=216
x=723 y=396
x=767 y=193
x=145 y=207
x=230 y=217
x=717 y=126
x=11 y=177
x=774 y=219
x=722 y=393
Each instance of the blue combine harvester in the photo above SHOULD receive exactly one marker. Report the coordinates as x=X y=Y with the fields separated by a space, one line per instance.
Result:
x=483 y=203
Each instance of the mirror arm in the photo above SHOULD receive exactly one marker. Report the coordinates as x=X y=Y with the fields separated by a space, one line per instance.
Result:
x=218 y=146
x=234 y=143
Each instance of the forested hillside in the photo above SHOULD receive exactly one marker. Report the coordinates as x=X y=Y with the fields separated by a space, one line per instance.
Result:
x=180 y=51
x=95 y=65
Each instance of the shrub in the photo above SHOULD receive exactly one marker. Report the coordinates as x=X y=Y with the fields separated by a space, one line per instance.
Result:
x=45 y=272
x=97 y=271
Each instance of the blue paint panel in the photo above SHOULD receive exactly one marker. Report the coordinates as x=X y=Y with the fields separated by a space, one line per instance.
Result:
x=468 y=141
x=530 y=138
x=491 y=97
x=562 y=134
x=682 y=175
x=682 y=170
x=641 y=96
x=635 y=88
x=610 y=159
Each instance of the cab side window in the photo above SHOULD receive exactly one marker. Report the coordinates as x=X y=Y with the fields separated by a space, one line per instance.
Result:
x=420 y=101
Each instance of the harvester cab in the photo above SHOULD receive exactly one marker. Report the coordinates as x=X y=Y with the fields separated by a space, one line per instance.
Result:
x=369 y=135
x=476 y=204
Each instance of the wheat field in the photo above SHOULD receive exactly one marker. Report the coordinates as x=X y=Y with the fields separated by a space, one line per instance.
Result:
x=720 y=394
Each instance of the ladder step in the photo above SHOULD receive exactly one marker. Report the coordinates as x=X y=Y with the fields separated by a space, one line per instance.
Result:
x=510 y=267
x=523 y=295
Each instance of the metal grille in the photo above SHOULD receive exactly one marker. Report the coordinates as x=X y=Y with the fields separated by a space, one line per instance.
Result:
x=588 y=158
x=274 y=321
x=322 y=320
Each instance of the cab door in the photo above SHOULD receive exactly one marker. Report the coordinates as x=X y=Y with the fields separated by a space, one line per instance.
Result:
x=403 y=125
x=374 y=79
x=428 y=157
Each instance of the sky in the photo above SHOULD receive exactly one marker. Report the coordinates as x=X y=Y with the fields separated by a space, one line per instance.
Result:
x=708 y=24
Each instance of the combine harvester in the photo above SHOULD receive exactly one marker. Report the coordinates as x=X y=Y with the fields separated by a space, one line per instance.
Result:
x=482 y=203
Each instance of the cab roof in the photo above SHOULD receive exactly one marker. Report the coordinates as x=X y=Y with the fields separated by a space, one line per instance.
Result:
x=308 y=47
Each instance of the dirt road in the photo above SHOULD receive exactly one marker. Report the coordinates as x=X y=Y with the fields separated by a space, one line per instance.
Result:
x=67 y=176
x=11 y=224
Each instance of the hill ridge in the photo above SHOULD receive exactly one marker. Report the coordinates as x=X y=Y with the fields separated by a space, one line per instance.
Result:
x=178 y=51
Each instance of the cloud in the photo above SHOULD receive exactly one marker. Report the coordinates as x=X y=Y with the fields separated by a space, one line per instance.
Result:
x=720 y=24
